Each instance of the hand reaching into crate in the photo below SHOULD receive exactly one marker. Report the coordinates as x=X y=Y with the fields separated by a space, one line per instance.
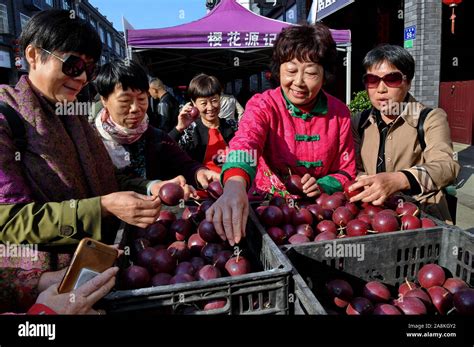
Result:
x=379 y=187
x=230 y=212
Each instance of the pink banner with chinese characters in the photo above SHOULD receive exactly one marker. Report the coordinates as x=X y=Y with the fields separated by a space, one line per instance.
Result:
x=229 y=25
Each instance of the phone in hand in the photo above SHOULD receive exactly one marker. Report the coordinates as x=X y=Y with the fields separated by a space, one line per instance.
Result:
x=90 y=259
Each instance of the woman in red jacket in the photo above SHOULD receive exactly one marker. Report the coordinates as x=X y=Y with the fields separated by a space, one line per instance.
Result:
x=296 y=127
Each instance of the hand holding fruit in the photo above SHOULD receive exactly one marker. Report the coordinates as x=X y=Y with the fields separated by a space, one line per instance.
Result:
x=310 y=186
x=189 y=191
x=133 y=208
x=206 y=176
x=230 y=212
x=379 y=187
x=186 y=116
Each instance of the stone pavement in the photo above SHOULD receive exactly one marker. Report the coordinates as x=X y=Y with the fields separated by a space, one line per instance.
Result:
x=465 y=194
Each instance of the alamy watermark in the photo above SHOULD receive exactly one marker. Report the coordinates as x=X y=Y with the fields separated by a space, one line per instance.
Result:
x=241 y=156
x=11 y=250
x=75 y=108
x=37 y=330
x=345 y=250
x=397 y=108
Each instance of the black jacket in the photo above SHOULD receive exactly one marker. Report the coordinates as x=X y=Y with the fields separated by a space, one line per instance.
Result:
x=195 y=138
x=152 y=112
x=168 y=110
x=164 y=159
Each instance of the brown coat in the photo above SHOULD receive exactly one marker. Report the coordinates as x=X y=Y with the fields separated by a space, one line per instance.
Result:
x=434 y=168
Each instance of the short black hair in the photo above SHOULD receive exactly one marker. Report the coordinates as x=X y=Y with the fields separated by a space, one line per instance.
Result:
x=55 y=30
x=204 y=86
x=305 y=43
x=395 y=55
x=128 y=73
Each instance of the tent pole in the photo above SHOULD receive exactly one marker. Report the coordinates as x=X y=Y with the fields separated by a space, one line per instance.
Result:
x=348 y=73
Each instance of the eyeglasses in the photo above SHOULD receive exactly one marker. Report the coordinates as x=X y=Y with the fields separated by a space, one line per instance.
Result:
x=74 y=66
x=393 y=79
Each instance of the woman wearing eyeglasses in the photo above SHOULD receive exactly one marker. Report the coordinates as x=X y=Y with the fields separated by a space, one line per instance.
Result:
x=57 y=182
x=390 y=156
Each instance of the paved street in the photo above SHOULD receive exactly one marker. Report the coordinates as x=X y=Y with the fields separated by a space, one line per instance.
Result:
x=465 y=215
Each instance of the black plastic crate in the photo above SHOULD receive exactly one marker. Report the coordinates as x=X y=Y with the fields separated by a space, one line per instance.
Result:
x=388 y=257
x=263 y=292
x=300 y=299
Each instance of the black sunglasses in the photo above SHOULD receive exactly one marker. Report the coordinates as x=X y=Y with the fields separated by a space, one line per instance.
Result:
x=74 y=66
x=393 y=79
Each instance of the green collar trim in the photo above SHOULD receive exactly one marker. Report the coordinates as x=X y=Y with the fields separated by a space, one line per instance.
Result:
x=320 y=107
x=307 y=138
x=309 y=164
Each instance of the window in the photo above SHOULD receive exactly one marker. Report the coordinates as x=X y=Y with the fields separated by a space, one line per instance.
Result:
x=65 y=4
x=93 y=23
x=117 y=47
x=291 y=15
x=23 y=20
x=102 y=33
x=4 y=19
x=109 y=40
x=49 y=2
x=82 y=14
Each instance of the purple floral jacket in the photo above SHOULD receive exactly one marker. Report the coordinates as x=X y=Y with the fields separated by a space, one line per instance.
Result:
x=49 y=192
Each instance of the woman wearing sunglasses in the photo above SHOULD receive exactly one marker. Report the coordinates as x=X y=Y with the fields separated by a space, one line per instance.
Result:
x=57 y=182
x=390 y=156
x=296 y=128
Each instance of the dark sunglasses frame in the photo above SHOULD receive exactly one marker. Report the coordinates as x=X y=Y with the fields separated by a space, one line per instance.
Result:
x=392 y=80
x=74 y=66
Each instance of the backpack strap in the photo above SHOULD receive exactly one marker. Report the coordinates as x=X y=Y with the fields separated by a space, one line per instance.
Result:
x=450 y=199
x=16 y=125
x=421 y=122
x=364 y=115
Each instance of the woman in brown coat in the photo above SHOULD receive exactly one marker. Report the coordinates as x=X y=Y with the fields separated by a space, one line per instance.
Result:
x=401 y=145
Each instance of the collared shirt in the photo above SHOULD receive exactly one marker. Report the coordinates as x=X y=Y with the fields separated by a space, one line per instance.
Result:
x=320 y=107
x=383 y=130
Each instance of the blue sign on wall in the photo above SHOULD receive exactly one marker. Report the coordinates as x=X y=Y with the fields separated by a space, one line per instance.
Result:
x=410 y=33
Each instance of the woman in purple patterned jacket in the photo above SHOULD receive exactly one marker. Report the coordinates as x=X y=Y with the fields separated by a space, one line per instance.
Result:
x=61 y=185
